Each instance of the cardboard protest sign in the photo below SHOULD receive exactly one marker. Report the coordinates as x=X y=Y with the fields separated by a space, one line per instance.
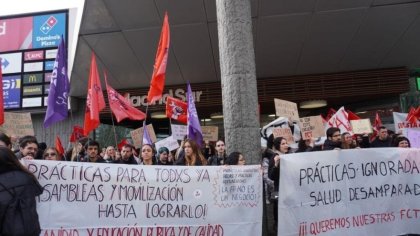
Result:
x=137 y=135
x=355 y=192
x=361 y=126
x=178 y=131
x=286 y=109
x=285 y=133
x=210 y=133
x=108 y=199
x=311 y=127
x=19 y=124
x=168 y=142
x=400 y=122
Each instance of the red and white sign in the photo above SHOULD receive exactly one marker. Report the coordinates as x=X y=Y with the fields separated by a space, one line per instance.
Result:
x=16 y=34
x=34 y=55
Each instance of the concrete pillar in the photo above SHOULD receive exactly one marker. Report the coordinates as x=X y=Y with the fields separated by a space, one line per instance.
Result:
x=239 y=84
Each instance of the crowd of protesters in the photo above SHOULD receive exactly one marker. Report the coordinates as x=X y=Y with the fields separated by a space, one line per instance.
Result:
x=189 y=154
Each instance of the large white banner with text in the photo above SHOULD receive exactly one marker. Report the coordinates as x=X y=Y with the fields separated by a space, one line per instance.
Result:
x=112 y=199
x=350 y=192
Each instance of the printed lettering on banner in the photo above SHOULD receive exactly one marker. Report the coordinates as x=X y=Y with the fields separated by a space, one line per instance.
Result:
x=286 y=109
x=178 y=131
x=148 y=200
x=311 y=127
x=361 y=126
x=137 y=135
x=210 y=133
x=168 y=142
x=380 y=185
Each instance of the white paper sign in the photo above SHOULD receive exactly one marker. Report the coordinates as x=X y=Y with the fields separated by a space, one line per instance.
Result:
x=361 y=126
x=168 y=142
x=97 y=199
x=286 y=109
x=179 y=131
x=354 y=192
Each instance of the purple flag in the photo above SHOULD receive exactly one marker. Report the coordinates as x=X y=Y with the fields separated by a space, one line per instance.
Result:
x=57 y=109
x=194 y=129
x=146 y=135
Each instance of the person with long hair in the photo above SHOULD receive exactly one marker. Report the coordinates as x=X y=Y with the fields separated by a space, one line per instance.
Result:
x=52 y=154
x=147 y=154
x=193 y=155
x=16 y=182
x=402 y=142
x=235 y=158
x=5 y=141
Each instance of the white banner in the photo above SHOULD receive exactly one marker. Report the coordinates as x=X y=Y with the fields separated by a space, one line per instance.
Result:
x=400 y=122
x=113 y=199
x=179 y=131
x=169 y=142
x=350 y=192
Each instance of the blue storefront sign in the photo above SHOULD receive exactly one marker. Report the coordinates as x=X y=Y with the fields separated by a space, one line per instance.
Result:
x=11 y=91
x=48 y=29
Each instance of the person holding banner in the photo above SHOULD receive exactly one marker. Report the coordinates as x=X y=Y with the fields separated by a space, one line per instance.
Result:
x=333 y=141
x=51 y=154
x=92 y=150
x=235 y=158
x=147 y=154
x=383 y=139
x=220 y=157
x=28 y=147
x=402 y=142
x=163 y=155
x=127 y=156
x=347 y=141
x=280 y=148
x=192 y=155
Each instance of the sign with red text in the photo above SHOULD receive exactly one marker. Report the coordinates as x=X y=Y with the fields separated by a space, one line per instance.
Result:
x=109 y=199
x=401 y=124
x=286 y=109
x=311 y=127
x=350 y=192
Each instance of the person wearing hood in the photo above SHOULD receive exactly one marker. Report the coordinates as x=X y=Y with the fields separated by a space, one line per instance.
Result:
x=333 y=141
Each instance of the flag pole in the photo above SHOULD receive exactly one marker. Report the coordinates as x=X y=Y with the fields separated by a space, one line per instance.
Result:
x=144 y=123
x=113 y=127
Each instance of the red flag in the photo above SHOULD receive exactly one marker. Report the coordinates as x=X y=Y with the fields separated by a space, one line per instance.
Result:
x=330 y=113
x=120 y=107
x=176 y=109
x=352 y=116
x=76 y=134
x=1 y=96
x=59 y=146
x=159 y=69
x=377 y=123
x=122 y=143
x=95 y=99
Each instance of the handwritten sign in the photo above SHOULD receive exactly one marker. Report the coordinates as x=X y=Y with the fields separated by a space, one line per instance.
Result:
x=361 y=126
x=179 y=131
x=168 y=142
x=354 y=192
x=311 y=127
x=19 y=124
x=148 y=200
x=210 y=133
x=286 y=109
x=137 y=135
x=285 y=133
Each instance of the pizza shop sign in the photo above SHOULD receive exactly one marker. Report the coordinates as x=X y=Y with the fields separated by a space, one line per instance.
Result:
x=179 y=93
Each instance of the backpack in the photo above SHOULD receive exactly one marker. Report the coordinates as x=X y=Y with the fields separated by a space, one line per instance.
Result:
x=20 y=216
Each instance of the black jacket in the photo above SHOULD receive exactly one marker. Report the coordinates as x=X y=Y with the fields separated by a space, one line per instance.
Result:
x=25 y=188
x=377 y=143
x=330 y=145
